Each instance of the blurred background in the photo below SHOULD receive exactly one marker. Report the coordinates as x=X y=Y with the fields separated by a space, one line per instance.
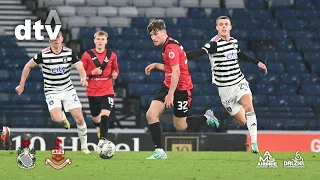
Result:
x=283 y=32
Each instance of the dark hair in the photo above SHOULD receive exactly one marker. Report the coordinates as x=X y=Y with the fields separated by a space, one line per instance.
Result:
x=157 y=24
x=223 y=17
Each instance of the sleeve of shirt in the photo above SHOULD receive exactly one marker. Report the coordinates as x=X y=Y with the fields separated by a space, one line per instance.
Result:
x=84 y=60
x=172 y=53
x=115 y=63
x=75 y=58
x=211 y=47
x=38 y=58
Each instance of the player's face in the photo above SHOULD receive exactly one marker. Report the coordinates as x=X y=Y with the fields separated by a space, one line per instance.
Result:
x=57 y=42
x=224 y=27
x=158 y=37
x=100 y=41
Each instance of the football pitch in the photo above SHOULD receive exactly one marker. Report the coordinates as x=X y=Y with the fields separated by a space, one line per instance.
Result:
x=179 y=166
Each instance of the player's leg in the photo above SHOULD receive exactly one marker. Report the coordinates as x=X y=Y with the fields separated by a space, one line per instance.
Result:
x=72 y=104
x=5 y=137
x=153 y=114
x=106 y=105
x=56 y=113
x=246 y=102
x=95 y=112
x=244 y=111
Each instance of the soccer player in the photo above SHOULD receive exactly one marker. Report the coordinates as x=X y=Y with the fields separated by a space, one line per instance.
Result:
x=101 y=67
x=233 y=88
x=5 y=136
x=55 y=62
x=176 y=90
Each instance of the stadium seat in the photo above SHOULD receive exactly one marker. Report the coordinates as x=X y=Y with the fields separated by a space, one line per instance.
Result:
x=96 y=2
x=75 y=2
x=260 y=14
x=155 y=12
x=239 y=13
x=189 y=3
x=77 y=21
x=143 y=3
x=310 y=78
x=86 y=11
x=128 y=12
x=139 y=22
x=296 y=68
x=175 y=12
x=120 y=3
x=119 y=22
x=280 y=4
x=263 y=88
x=164 y=3
x=196 y=13
x=210 y=3
x=256 y=4
x=310 y=90
x=66 y=10
x=302 y=4
x=234 y=4
x=290 y=78
x=108 y=11
x=216 y=12
x=97 y=21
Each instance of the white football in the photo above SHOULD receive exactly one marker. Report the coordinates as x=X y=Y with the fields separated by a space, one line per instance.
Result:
x=106 y=149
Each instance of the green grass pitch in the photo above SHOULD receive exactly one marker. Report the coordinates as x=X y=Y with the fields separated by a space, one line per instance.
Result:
x=179 y=165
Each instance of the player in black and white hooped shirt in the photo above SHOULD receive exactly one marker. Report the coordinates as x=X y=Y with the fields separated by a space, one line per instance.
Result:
x=55 y=62
x=233 y=88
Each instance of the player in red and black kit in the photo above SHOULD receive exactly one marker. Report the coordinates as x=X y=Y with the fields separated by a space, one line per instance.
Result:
x=101 y=67
x=176 y=90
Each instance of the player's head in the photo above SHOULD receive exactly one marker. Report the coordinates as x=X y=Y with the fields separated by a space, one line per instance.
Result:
x=223 y=26
x=57 y=42
x=158 y=32
x=100 y=39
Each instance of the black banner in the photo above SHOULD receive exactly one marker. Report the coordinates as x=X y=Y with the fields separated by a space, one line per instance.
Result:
x=136 y=142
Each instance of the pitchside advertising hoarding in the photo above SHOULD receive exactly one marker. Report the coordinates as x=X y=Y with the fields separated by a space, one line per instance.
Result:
x=288 y=142
x=134 y=142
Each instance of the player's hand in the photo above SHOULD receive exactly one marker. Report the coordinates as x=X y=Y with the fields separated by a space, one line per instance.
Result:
x=114 y=74
x=168 y=100
x=84 y=82
x=97 y=71
x=149 y=68
x=263 y=66
x=19 y=89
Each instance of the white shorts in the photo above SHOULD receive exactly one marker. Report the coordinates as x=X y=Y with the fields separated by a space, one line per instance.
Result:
x=69 y=99
x=230 y=96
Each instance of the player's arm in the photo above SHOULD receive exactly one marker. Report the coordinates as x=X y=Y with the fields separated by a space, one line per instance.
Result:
x=245 y=57
x=84 y=59
x=208 y=48
x=172 y=52
x=37 y=59
x=175 y=75
x=82 y=72
x=115 y=67
x=159 y=66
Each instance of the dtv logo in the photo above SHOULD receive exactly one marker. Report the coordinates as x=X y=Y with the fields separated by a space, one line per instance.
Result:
x=38 y=27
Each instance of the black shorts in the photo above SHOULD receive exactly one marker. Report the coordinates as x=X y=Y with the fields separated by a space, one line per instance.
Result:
x=97 y=103
x=182 y=100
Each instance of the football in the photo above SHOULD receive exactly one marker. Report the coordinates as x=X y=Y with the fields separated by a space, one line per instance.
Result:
x=106 y=149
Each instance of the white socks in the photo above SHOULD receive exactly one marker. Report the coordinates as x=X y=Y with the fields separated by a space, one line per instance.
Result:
x=252 y=126
x=82 y=133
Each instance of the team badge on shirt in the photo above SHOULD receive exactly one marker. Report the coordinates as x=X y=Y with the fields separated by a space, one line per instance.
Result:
x=171 y=55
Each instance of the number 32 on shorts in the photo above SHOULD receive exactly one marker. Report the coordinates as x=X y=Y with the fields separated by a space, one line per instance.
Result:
x=183 y=106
